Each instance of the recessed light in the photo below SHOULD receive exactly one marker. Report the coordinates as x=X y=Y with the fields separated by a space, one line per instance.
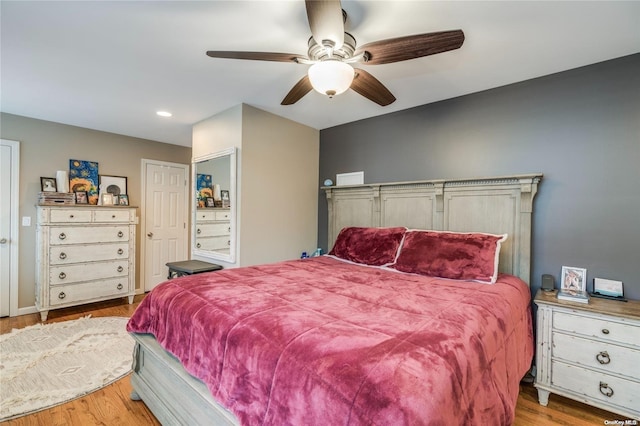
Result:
x=164 y=113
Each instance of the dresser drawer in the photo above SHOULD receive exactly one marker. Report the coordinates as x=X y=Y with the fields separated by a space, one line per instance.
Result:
x=205 y=215
x=63 y=274
x=72 y=293
x=616 y=331
x=213 y=243
x=111 y=216
x=70 y=215
x=590 y=353
x=65 y=254
x=223 y=215
x=95 y=234
x=212 y=229
x=596 y=386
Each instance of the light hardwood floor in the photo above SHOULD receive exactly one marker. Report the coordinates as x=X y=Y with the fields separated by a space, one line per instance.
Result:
x=112 y=405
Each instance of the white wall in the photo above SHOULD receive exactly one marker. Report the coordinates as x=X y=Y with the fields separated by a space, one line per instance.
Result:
x=277 y=181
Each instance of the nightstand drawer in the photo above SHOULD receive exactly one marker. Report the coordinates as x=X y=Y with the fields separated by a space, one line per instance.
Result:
x=594 y=327
x=590 y=353
x=596 y=386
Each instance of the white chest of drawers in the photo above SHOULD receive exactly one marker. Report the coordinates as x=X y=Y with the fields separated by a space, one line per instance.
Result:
x=213 y=230
x=589 y=352
x=84 y=255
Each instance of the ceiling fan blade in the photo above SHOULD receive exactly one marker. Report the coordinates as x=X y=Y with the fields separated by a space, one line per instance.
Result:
x=256 y=56
x=298 y=91
x=411 y=47
x=371 y=88
x=326 y=21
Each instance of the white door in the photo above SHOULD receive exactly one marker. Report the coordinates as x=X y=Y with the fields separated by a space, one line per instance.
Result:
x=165 y=211
x=9 y=185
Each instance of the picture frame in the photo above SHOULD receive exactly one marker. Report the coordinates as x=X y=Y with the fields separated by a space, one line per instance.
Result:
x=82 y=197
x=210 y=202
x=107 y=199
x=83 y=176
x=224 y=195
x=573 y=280
x=123 y=200
x=48 y=184
x=114 y=185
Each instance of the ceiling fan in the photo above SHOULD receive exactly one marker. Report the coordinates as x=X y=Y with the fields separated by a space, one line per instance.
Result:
x=332 y=51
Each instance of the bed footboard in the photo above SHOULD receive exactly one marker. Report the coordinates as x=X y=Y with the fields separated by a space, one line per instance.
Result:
x=172 y=394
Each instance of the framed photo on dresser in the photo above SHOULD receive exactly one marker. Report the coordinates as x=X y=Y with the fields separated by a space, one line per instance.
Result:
x=573 y=280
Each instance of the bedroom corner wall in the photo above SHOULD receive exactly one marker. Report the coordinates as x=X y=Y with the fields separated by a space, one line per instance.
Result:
x=277 y=181
x=46 y=147
x=581 y=128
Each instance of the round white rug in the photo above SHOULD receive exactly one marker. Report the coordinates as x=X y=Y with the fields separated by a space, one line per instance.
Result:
x=47 y=364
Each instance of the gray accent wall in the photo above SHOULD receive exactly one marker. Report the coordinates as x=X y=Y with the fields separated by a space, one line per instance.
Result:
x=580 y=128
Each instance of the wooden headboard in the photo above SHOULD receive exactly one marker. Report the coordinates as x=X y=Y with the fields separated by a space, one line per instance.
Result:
x=498 y=205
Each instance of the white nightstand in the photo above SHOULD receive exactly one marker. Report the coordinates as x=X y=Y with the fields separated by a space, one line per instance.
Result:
x=589 y=352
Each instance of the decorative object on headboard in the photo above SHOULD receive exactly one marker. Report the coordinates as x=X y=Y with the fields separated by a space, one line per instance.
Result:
x=496 y=205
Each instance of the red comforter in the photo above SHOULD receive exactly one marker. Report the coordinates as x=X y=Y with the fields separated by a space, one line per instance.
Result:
x=324 y=342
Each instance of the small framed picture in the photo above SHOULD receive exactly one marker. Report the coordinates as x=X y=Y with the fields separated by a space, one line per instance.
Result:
x=224 y=195
x=115 y=185
x=123 y=200
x=574 y=280
x=210 y=202
x=48 y=184
x=81 y=197
x=107 y=199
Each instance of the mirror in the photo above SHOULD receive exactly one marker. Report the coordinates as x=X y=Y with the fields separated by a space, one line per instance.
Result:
x=213 y=201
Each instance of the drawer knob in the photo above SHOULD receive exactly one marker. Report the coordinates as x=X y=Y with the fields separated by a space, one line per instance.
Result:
x=603 y=357
x=120 y=234
x=229 y=229
x=606 y=390
x=228 y=242
x=120 y=286
x=113 y=216
x=120 y=251
x=198 y=245
x=62 y=295
x=71 y=216
x=62 y=236
x=198 y=231
x=605 y=331
x=120 y=269
x=63 y=255
x=62 y=275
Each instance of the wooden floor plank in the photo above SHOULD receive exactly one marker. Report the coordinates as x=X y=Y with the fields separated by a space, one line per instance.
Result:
x=111 y=405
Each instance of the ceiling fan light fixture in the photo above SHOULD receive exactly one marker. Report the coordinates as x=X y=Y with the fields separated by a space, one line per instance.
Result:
x=331 y=77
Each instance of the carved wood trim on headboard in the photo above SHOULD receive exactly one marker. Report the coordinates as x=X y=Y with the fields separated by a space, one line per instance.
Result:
x=498 y=205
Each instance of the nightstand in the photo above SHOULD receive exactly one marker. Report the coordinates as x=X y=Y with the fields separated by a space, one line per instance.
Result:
x=190 y=267
x=589 y=352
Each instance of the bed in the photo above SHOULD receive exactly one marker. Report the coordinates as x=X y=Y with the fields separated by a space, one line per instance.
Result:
x=390 y=328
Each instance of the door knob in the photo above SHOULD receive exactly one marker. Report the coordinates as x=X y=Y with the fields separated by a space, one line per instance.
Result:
x=3 y=241
x=150 y=234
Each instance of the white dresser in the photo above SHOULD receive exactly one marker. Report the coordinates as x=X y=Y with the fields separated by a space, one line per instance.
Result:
x=589 y=352
x=84 y=254
x=213 y=229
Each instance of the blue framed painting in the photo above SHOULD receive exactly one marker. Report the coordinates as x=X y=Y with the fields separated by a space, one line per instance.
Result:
x=204 y=187
x=83 y=176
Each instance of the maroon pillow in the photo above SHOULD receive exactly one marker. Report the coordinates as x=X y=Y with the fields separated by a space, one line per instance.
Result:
x=370 y=246
x=455 y=255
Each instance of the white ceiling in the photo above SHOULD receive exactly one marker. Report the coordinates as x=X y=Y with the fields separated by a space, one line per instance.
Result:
x=111 y=65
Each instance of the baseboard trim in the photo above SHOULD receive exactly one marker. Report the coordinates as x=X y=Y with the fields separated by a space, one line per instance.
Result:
x=26 y=311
